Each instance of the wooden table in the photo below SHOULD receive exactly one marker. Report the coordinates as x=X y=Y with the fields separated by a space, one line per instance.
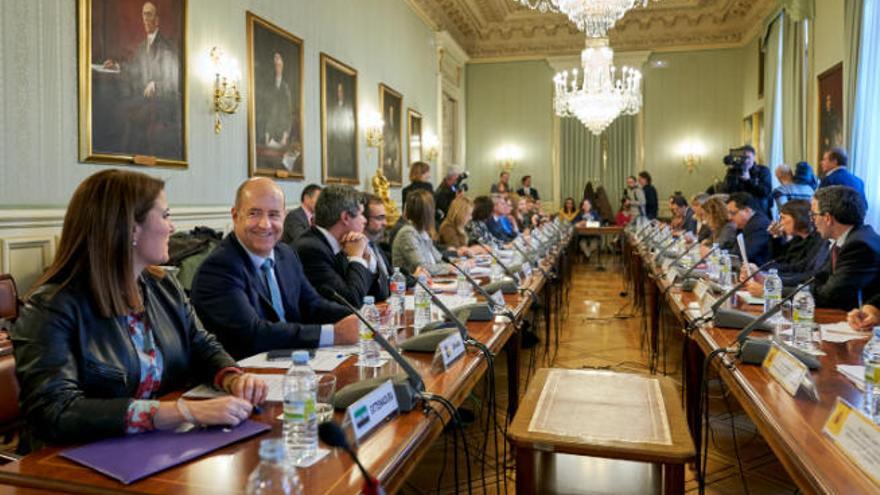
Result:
x=390 y=453
x=662 y=435
x=792 y=426
x=602 y=232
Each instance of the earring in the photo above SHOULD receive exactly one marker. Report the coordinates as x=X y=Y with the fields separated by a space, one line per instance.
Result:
x=134 y=242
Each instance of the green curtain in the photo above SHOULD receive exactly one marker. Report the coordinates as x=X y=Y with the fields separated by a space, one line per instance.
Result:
x=794 y=90
x=604 y=160
x=852 y=31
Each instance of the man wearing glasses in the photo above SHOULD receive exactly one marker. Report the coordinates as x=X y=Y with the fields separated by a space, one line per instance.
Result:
x=753 y=223
x=852 y=270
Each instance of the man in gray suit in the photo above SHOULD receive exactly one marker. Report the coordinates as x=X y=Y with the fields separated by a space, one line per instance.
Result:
x=301 y=219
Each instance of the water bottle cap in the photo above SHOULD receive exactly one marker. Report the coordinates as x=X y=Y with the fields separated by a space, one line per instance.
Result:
x=772 y=271
x=272 y=450
x=300 y=357
x=369 y=300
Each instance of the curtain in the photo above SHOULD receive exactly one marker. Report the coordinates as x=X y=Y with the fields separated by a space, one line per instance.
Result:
x=852 y=30
x=773 y=92
x=605 y=160
x=864 y=145
x=794 y=93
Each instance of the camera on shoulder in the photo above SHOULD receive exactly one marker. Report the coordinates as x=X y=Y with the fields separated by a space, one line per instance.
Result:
x=736 y=160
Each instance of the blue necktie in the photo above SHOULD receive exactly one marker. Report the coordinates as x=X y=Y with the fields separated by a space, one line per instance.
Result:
x=274 y=290
x=506 y=226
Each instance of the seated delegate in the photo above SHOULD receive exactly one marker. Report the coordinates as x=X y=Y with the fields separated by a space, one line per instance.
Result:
x=413 y=246
x=104 y=332
x=251 y=291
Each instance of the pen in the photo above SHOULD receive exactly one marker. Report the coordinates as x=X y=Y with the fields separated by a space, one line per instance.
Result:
x=860 y=299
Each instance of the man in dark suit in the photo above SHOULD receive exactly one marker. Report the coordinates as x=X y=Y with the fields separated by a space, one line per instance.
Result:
x=499 y=225
x=334 y=252
x=527 y=190
x=651 y=200
x=679 y=206
x=853 y=265
x=752 y=223
x=298 y=221
x=749 y=177
x=835 y=173
x=251 y=291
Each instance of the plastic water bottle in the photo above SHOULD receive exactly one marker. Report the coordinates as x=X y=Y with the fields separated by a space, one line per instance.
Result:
x=369 y=349
x=421 y=306
x=273 y=475
x=803 y=307
x=772 y=289
x=300 y=419
x=713 y=265
x=496 y=273
x=462 y=285
x=871 y=360
x=397 y=299
x=724 y=270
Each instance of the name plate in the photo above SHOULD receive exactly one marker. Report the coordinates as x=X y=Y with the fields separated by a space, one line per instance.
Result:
x=666 y=264
x=785 y=369
x=670 y=276
x=857 y=436
x=498 y=298
x=527 y=269
x=370 y=410
x=700 y=290
x=449 y=350
x=592 y=224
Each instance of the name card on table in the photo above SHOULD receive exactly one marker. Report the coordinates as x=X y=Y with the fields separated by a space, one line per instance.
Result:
x=700 y=290
x=449 y=350
x=785 y=369
x=666 y=264
x=498 y=298
x=372 y=409
x=857 y=436
x=670 y=276
x=527 y=269
x=592 y=224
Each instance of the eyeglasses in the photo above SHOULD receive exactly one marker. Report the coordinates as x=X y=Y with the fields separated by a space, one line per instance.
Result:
x=814 y=214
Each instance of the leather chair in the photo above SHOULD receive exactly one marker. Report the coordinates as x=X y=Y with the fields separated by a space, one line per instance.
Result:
x=10 y=417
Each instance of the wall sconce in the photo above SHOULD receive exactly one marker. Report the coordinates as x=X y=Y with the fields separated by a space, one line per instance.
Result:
x=507 y=156
x=226 y=94
x=691 y=154
x=374 y=125
x=432 y=146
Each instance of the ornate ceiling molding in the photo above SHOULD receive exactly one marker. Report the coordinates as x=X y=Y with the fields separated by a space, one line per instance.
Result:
x=504 y=30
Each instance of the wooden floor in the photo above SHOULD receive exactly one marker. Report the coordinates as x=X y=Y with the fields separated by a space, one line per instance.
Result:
x=604 y=342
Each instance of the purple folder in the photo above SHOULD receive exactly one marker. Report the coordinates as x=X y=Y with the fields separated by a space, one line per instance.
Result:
x=133 y=457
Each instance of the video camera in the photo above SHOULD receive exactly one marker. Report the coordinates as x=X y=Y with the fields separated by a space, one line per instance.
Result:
x=459 y=184
x=735 y=160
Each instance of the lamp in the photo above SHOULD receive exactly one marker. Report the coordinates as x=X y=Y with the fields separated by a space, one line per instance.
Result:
x=374 y=125
x=691 y=154
x=507 y=156
x=432 y=146
x=226 y=94
x=593 y=17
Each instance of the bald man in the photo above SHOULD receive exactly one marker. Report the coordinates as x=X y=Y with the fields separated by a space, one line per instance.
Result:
x=251 y=291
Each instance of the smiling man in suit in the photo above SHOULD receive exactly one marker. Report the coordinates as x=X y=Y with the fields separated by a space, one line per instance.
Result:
x=251 y=291
x=335 y=252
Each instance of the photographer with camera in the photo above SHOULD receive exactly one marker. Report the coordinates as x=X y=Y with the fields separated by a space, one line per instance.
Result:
x=744 y=175
x=451 y=187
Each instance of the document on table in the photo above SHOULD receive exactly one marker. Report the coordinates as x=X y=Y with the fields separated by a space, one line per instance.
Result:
x=275 y=383
x=748 y=298
x=841 y=332
x=854 y=373
x=451 y=301
x=325 y=359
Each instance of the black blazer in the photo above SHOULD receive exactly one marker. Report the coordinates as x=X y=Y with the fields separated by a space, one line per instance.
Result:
x=79 y=370
x=497 y=230
x=757 y=238
x=296 y=223
x=232 y=300
x=532 y=192
x=801 y=259
x=330 y=272
x=858 y=269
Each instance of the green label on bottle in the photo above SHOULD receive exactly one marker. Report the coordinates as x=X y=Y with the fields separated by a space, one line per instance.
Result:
x=872 y=374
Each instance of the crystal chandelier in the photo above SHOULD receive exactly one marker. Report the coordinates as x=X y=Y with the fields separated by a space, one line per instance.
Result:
x=593 y=17
x=596 y=96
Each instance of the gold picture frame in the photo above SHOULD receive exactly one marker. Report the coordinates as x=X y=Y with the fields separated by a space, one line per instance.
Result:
x=275 y=104
x=123 y=117
x=339 y=123
x=391 y=151
x=414 y=131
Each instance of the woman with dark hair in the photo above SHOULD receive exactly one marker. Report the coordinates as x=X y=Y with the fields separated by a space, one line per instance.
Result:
x=478 y=228
x=718 y=219
x=569 y=210
x=105 y=332
x=797 y=253
x=413 y=246
x=419 y=179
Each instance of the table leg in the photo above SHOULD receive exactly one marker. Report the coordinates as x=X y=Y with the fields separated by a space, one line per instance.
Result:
x=513 y=372
x=525 y=470
x=673 y=478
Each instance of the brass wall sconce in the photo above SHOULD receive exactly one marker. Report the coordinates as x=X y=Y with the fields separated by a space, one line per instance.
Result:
x=374 y=126
x=691 y=154
x=227 y=97
x=507 y=156
x=432 y=147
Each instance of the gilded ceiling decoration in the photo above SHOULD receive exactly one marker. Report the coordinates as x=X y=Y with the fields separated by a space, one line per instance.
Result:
x=503 y=29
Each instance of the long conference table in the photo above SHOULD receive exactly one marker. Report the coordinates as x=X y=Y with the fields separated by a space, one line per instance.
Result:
x=390 y=453
x=792 y=426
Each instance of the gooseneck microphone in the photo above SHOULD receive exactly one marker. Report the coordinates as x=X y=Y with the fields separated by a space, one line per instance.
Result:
x=332 y=434
x=480 y=290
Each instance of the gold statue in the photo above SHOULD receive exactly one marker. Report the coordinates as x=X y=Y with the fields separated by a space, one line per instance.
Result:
x=380 y=188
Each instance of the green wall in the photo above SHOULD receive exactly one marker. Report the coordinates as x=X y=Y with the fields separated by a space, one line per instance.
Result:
x=510 y=103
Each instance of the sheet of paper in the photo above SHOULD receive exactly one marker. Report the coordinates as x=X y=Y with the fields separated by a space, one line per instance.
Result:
x=325 y=359
x=854 y=373
x=741 y=241
x=747 y=298
x=841 y=332
x=450 y=300
x=275 y=383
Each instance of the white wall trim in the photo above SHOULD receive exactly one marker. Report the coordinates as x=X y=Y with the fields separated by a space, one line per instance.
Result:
x=12 y=218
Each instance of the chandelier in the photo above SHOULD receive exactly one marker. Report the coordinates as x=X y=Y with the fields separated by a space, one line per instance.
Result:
x=593 y=17
x=596 y=96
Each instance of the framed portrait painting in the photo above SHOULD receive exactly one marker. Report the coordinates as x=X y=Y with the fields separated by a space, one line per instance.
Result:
x=132 y=81
x=414 y=131
x=831 y=116
x=275 y=105
x=339 y=126
x=391 y=152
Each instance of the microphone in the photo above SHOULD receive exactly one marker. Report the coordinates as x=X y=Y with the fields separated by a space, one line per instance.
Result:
x=698 y=263
x=534 y=262
x=407 y=391
x=504 y=267
x=677 y=259
x=753 y=350
x=667 y=248
x=477 y=287
x=332 y=434
x=717 y=304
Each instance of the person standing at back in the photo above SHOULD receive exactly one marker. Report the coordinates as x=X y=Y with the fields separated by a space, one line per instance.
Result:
x=651 y=201
x=635 y=198
x=419 y=178
x=835 y=173
x=298 y=221
x=527 y=189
